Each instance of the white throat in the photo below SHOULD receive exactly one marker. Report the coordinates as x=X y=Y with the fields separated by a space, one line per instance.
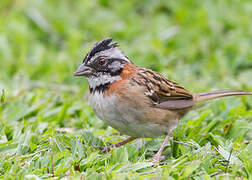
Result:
x=102 y=79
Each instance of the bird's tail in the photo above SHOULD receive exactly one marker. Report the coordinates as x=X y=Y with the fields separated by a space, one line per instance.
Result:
x=217 y=94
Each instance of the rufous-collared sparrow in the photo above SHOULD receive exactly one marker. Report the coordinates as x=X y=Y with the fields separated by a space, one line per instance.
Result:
x=136 y=101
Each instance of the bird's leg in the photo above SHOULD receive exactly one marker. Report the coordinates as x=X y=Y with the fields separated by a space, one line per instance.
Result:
x=157 y=157
x=121 y=143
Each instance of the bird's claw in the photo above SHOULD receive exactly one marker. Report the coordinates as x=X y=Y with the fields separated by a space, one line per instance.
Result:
x=157 y=158
x=104 y=149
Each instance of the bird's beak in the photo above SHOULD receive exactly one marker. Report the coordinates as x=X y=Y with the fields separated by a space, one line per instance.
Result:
x=82 y=70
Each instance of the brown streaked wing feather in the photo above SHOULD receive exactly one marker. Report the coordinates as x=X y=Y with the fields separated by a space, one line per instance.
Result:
x=160 y=89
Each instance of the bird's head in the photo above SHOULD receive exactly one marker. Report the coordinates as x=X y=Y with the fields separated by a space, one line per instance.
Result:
x=102 y=64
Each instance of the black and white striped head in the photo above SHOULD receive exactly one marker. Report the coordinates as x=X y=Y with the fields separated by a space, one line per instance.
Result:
x=102 y=64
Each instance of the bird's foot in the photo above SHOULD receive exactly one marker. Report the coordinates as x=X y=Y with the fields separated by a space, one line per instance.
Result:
x=105 y=149
x=119 y=144
x=157 y=158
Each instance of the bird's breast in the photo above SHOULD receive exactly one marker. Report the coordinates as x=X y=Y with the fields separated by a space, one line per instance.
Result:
x=131 y=116
x=103 y=106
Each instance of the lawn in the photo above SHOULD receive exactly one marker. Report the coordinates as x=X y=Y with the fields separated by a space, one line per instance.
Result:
x=47 y=127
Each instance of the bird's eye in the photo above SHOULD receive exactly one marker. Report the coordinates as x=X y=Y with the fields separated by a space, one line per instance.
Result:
x=102 y=62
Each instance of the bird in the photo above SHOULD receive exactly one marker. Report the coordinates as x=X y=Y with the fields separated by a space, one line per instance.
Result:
x=137 y=101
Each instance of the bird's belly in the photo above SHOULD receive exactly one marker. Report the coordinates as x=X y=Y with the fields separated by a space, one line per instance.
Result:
x=124 y=118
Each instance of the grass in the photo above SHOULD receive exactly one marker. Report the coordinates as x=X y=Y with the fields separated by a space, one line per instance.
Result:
x=47 y=127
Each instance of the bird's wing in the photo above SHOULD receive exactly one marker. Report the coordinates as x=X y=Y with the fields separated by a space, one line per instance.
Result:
x=163 y=93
